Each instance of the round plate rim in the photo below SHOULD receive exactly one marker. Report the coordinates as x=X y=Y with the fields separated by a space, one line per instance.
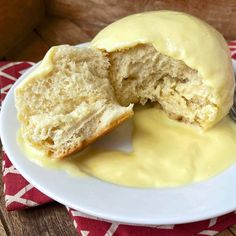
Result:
x=206 y=211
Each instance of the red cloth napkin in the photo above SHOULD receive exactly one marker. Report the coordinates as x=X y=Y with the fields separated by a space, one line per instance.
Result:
x=20 y=194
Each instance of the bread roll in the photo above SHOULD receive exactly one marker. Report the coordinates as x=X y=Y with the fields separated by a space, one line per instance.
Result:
x=67 y=102
x=169 y=58
x=173 y=59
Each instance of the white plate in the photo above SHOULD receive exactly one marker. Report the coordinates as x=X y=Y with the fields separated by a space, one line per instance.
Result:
x=194 y=202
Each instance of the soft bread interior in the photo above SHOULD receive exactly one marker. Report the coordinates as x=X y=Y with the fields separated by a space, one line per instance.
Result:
x=72 y=104
x=77 y=95
x=140 y=74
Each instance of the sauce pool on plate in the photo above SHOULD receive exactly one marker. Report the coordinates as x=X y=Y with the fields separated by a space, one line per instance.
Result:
x=164 y=153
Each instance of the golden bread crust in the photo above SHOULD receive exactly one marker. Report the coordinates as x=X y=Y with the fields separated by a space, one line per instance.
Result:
x=82 y=145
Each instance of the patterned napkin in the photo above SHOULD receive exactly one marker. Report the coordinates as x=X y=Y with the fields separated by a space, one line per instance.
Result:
x=20 y=194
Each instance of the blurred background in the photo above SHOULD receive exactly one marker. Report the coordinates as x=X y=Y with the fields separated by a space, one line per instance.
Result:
x=29 y=28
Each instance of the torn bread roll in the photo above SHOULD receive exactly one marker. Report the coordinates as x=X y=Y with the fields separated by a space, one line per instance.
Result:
x=67 y=102
x=171 y=58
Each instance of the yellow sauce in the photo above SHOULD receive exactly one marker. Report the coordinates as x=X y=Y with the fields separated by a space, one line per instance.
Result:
x=165 y=153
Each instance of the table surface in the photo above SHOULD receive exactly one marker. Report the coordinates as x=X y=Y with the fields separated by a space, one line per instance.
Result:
x=49 y=219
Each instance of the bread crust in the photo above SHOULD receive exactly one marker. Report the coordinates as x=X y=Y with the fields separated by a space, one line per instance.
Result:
x=82 y=145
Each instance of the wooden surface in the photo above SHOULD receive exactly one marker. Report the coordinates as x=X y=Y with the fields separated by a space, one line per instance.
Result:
x=93 y=15
x=17 y=20
x=52 y=31
x=72 y=22
x=76 y=21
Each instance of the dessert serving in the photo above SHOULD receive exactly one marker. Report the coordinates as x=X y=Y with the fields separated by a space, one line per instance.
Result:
x=172 y=67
